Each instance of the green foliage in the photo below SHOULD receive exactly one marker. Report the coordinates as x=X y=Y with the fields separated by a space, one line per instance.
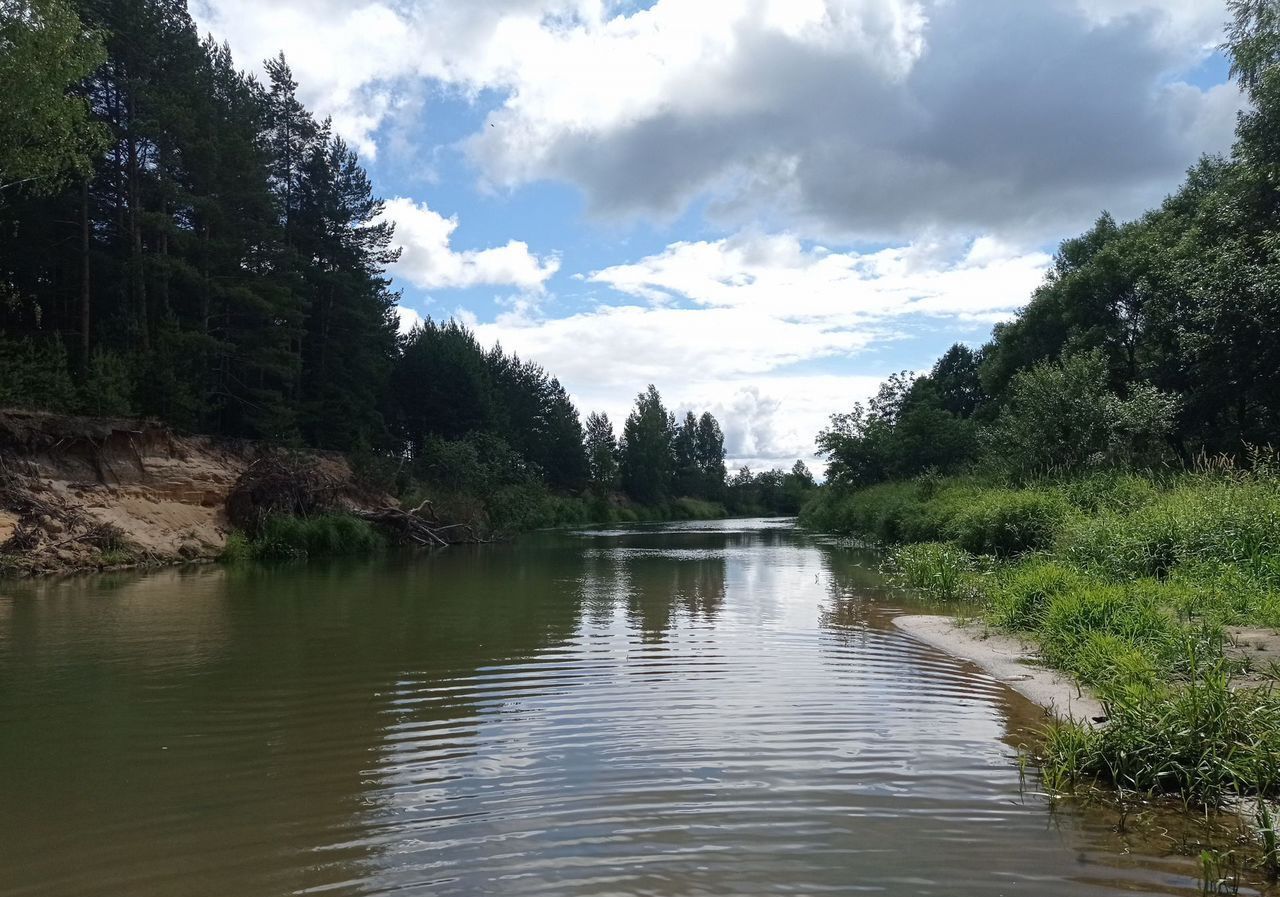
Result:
x=46 y=133
x=905 y=430
x=770 y=493
x=1203 y=740
x=237 y=550
x=1108 y=636
x=1062 y=416
x=913 y=511
x=325 y=536
x=34 y=374
x=1018 y=596
x=108 y=386
x=696 y=509
x=935 y=569
x=1198 y=521
x=1007 y=522
x=647 y=449
x=602 y=454
x=1129 y=588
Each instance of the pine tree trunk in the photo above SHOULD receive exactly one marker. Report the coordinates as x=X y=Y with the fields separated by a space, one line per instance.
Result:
x=136 y=273
x=85 y=270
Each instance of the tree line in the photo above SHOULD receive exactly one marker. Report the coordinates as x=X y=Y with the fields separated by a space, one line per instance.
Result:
x=186 y=241
x=1149 y=342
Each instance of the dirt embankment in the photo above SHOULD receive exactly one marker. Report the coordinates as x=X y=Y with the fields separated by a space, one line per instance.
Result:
x=82 y=493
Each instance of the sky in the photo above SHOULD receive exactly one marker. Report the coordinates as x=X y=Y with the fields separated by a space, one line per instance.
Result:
x=763 y=207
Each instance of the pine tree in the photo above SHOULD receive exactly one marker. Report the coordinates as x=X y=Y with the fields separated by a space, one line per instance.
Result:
x=709 y=452
x=602 y=453
x=647 y=458
x=687 y=475
x=350 y=327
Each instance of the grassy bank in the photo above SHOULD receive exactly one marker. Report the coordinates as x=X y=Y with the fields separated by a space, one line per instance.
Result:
x=322 y=536
x=1133 y=584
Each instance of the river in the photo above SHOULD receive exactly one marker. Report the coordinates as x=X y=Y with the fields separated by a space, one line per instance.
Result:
x=693 y=709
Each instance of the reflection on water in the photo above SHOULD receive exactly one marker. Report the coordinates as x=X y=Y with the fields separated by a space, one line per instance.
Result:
x=716 y=708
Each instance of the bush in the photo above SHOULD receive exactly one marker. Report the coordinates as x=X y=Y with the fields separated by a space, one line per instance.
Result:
x=1062 y=416
x=327 y=535
x=108 y=387
x=1005 y=522
x=889 y=513
x=35 y=374
x=696 y=509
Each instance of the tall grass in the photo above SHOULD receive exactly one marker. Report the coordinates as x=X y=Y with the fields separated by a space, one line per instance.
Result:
x=1201 y=740
x=327 y=535
x=1128 y=583
x=938 y=570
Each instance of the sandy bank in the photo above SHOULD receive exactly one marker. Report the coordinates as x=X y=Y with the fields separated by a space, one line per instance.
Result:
x=1008 y=659
x=81 y=493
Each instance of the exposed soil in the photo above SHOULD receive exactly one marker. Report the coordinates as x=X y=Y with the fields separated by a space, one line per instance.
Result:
x=81 y=493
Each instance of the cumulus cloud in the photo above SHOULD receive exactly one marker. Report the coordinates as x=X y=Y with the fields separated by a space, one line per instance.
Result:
x=777 y=275
x=726 y=325
x=407 y=318
x=843 y=118
x=428 y=260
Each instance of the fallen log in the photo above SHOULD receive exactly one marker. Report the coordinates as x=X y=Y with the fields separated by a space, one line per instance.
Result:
x=411 y=526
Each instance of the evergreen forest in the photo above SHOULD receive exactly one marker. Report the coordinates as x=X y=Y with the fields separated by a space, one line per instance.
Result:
x=184 y=241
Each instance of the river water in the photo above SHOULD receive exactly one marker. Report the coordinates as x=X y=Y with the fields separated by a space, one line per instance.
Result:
x=699 y=709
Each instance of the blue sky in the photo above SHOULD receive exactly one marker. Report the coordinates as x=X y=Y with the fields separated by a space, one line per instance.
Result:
x=761 y=206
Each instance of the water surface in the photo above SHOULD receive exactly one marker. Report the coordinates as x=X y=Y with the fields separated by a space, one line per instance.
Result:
x=698 y=709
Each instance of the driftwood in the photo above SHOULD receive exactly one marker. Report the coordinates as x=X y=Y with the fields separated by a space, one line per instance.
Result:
x=41 y=517
x=415 y=528
x=296 y=485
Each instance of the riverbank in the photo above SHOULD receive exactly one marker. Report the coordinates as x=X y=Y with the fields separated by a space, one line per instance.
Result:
x=81 y=494
x=1162 y=595
x=1010 y=660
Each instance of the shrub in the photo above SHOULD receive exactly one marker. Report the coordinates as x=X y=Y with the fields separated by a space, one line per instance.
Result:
x=108 y=386
x=1063 y=416
x=327 y=535
x=1006 y=522
x=34 y=374
x=696 y=509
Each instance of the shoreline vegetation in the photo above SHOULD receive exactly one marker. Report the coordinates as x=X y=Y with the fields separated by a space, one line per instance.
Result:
x=1098 y=478
x=82 y=494
x=1141 y=587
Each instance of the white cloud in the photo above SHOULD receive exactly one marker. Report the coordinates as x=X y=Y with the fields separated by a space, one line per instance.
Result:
x=838 y=117
x=777 y=275
x=428 y=260
x=724 y=326
x=407 y=318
